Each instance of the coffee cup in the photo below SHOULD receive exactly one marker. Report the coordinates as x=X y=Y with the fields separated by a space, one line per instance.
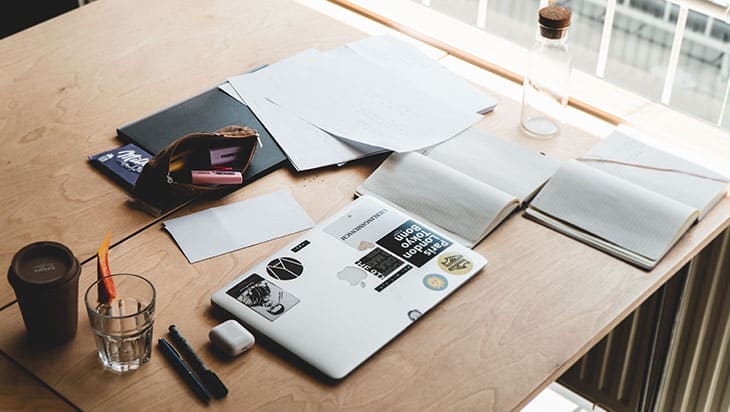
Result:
x=45 y=277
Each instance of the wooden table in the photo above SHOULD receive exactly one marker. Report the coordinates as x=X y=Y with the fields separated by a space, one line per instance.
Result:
x=541 y=303
x=67 y=84
x=19 y=391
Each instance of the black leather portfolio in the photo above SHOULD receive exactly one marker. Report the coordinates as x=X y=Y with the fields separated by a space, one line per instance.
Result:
x=206 y=112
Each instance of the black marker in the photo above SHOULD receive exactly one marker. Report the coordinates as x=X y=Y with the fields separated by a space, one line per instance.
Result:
x=209 y=378
x=182 y=369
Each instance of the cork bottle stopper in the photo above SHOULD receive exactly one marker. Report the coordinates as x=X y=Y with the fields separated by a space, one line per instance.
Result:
x=553 y=21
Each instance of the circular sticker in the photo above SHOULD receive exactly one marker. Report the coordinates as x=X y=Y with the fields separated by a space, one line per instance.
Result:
x=284 y=268
x=455 y=264
x=435 y=282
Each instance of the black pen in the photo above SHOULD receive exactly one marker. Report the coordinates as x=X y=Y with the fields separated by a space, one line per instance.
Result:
x=182 y=369
x=209 y=378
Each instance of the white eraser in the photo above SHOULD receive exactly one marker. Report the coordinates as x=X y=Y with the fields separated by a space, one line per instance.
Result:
x=231 y=338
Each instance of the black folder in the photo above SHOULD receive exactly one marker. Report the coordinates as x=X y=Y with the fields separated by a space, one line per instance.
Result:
x=206 y=112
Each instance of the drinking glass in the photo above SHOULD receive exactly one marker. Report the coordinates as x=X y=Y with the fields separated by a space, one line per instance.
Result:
x=123 y=327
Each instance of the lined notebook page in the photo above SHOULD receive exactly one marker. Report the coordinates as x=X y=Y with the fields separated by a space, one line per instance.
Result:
x=439 y=194
x=503 y=165
x=613 y=209
x=678 y=178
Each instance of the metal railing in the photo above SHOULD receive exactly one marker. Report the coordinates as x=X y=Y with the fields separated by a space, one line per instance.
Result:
x=703 y=44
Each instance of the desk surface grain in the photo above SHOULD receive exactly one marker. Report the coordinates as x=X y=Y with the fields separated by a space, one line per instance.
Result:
x=68 y=83
x=21 y=392
x=542 y=302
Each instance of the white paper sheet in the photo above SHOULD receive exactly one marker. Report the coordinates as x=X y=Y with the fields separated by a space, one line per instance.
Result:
x=223 y=229
x=672 y=176
x=408 y=62
x=306 y=145
x=229 y=90
x=506 y=166
x=465 y=207
x=618 y=211
x=350 y=97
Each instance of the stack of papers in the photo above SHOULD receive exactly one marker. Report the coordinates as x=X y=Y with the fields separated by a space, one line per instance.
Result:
x=370 y=96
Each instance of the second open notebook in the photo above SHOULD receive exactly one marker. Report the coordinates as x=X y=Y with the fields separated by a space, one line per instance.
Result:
x=628 y=199
x=466 y=186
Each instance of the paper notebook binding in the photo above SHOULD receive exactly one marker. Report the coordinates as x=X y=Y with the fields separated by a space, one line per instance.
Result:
x=599 y=243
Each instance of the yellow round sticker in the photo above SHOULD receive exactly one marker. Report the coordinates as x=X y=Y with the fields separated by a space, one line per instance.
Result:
x=435 y=282
x=454 y=264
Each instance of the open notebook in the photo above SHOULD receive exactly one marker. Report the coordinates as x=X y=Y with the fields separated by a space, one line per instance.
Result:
x=466 y=186
x=628 y=199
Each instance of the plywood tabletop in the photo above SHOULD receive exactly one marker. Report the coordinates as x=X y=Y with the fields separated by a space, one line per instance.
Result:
x=68 y=83
x=19 y=391
x=542 y=301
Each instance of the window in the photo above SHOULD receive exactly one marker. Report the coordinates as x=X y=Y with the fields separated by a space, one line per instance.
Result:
x=669 y=52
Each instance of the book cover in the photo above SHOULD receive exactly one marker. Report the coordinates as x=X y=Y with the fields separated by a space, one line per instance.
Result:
x=123 y=164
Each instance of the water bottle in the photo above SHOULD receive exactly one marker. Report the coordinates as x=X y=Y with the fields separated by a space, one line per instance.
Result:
x=547 y=80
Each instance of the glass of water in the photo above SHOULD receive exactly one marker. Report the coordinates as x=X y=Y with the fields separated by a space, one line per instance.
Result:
x=123 y=326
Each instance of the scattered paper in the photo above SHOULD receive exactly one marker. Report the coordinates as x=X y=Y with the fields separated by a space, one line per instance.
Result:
x=350 y=97
x=224 y=229
x=229 y=90
x=306 y=145
x=370 y=96
x=408 y=62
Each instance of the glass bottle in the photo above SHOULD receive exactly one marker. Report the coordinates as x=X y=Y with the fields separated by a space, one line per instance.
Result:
x=547 y=80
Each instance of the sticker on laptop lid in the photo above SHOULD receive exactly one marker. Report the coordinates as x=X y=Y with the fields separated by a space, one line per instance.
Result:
x=379 y=263
x=362 y=226
x=284 y=268
x=300 y=246
x=455 y=263
x=263 y=297
x=435 y=282
x=414 y=243
x=392 y=278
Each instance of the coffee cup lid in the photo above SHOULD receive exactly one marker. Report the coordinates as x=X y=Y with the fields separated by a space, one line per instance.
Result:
x=43 y=265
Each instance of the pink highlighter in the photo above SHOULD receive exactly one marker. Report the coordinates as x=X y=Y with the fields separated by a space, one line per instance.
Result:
x=216 y=177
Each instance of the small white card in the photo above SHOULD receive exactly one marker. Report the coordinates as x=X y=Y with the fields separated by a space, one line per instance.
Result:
x=223 y=229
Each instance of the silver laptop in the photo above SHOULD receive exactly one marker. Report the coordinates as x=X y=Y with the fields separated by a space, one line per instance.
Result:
x=346 y=287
